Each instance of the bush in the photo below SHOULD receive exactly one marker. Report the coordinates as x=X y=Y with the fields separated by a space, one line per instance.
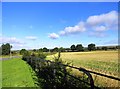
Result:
x=41 y=55
x=52 y=75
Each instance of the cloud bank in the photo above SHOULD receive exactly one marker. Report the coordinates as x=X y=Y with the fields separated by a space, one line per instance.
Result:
x=95 y=25
x=11 y=40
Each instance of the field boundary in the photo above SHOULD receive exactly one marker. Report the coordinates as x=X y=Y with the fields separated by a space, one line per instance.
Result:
x=88 y=73
x=35 y=63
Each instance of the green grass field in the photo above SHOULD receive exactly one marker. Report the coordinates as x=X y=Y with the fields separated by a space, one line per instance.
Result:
x=105 y=62
x=16 y=73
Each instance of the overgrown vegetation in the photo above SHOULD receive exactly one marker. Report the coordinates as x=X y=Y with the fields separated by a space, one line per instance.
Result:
x=53 y=75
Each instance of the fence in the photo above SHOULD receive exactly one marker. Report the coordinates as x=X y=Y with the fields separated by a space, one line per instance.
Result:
x=37 y=63
x=88 y=73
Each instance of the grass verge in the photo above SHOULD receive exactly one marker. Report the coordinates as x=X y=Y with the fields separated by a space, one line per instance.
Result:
x=16 y=73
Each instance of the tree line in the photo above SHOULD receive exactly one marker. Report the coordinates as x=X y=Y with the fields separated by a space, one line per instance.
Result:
x=5 y=49
x=73 y=48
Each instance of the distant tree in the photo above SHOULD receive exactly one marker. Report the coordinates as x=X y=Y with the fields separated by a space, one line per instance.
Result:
x=62 y=49
x=73 y=48
x=0 y=50
x=116 y=47
x=98 y=48
x=6 y=49
x=104 y=48
x=55 y=49
x=34 y=50
x=45 y=49
x=40 y=50
x=112 y=48
x=13 y=52
x=23 y=51
x=79 y=47
x=91 y=47
x=67 y=49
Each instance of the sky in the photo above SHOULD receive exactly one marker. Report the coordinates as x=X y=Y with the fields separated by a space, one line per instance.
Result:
x=34 y=25
x=60 y=0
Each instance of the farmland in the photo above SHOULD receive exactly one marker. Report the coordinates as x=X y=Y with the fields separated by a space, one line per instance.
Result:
x=105 y=62
x=16 y=72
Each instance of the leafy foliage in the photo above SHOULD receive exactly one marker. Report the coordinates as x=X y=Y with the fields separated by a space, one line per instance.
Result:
x=91 y=47
x=73 y=47
x=45 y=49
x=6 y=49
x=52 y=75
x=79 y=47
x=23 y=51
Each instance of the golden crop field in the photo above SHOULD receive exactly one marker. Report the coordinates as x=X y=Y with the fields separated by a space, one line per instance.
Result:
x=105 y=62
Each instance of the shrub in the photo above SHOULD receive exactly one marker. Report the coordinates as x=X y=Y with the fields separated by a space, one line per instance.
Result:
x=41 y=55
x=52 y=75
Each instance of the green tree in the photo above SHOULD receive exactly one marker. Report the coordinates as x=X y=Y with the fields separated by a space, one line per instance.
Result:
x=23 y=51
x=40 y=50
x=45 y=49
x=98 y=48
x=73 y=48
x=79 y=47
x=34 y=50
x=6 y=49
x=55 y=49
x=91 y=47
x=104 y=48
x=0 y=50
x=62 y=49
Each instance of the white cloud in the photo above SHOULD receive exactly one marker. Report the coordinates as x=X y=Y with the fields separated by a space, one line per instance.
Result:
x=19 y=46
x=75 y=29
x=15 y=42
x=95 y=25
x=62 y=32
x=97 y=34
x=11 y=40
x=100 y=28
x=31 y=37
x=53 y=36
x=108 y=21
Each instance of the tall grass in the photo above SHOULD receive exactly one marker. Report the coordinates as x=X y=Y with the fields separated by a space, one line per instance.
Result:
x=105 y=62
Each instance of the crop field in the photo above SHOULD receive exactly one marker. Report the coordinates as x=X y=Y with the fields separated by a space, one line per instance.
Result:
x=105 y=62
x=16 y=73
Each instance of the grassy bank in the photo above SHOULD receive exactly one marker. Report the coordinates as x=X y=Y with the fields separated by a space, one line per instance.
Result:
x=16 y=73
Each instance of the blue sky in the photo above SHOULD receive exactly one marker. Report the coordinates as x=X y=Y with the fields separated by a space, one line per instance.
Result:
x=35 y=25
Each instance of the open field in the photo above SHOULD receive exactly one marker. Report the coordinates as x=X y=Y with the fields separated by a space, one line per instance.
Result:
x=16 y=73
x=105 y=62
x=95 y=60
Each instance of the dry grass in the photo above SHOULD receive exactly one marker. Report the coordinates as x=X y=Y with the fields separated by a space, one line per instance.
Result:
x=105 y=62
